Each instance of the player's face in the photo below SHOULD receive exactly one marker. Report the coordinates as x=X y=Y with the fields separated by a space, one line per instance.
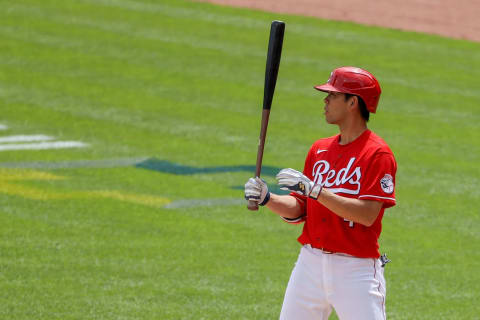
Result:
x=336 y=108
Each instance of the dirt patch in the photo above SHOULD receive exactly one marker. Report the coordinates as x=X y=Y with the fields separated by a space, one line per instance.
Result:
x=456 y=19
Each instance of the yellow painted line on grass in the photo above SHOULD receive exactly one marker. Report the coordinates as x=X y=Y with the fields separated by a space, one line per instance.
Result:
x=13 y=189
x=147 y=200
x=9 y=176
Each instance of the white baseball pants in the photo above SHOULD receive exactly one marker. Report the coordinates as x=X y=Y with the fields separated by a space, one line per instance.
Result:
x=354 y=287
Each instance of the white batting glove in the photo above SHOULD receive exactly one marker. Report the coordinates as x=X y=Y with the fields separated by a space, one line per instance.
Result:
x=293 y=180
x=257 y=190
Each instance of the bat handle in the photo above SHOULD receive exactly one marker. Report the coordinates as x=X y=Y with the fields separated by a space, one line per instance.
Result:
x=252 y=205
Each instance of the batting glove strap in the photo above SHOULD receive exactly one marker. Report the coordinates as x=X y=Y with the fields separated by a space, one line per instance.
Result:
x=293 y=180
x=267 y=198
x=316 y=190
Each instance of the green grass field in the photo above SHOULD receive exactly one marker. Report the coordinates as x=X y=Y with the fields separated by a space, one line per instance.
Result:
x=146 y=221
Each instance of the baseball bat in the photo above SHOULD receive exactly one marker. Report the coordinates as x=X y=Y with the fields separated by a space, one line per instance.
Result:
x=275 y=43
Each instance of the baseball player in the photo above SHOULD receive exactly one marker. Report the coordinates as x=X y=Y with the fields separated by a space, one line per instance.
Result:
x=347 y=183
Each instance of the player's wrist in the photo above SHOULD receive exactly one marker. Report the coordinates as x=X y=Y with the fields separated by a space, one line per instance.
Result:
x=315 y=192
x=265 y=200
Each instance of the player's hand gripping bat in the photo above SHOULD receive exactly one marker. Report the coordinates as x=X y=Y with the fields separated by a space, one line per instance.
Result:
x=271 y=71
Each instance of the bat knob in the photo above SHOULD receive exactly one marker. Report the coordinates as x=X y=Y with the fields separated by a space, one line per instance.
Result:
x=252 y=205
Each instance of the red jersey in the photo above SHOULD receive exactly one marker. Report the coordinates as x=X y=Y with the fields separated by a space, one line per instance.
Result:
x=363 y=169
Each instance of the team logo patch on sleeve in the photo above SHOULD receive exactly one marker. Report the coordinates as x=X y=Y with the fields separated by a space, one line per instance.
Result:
x=387 y=183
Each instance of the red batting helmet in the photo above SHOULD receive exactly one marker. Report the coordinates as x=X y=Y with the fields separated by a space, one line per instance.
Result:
x=355 y=81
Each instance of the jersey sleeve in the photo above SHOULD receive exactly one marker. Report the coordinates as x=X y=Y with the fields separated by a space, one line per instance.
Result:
x=379 y=180
x=302 y=201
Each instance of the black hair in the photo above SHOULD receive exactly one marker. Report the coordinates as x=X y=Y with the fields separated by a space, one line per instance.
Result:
x=361 y=105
